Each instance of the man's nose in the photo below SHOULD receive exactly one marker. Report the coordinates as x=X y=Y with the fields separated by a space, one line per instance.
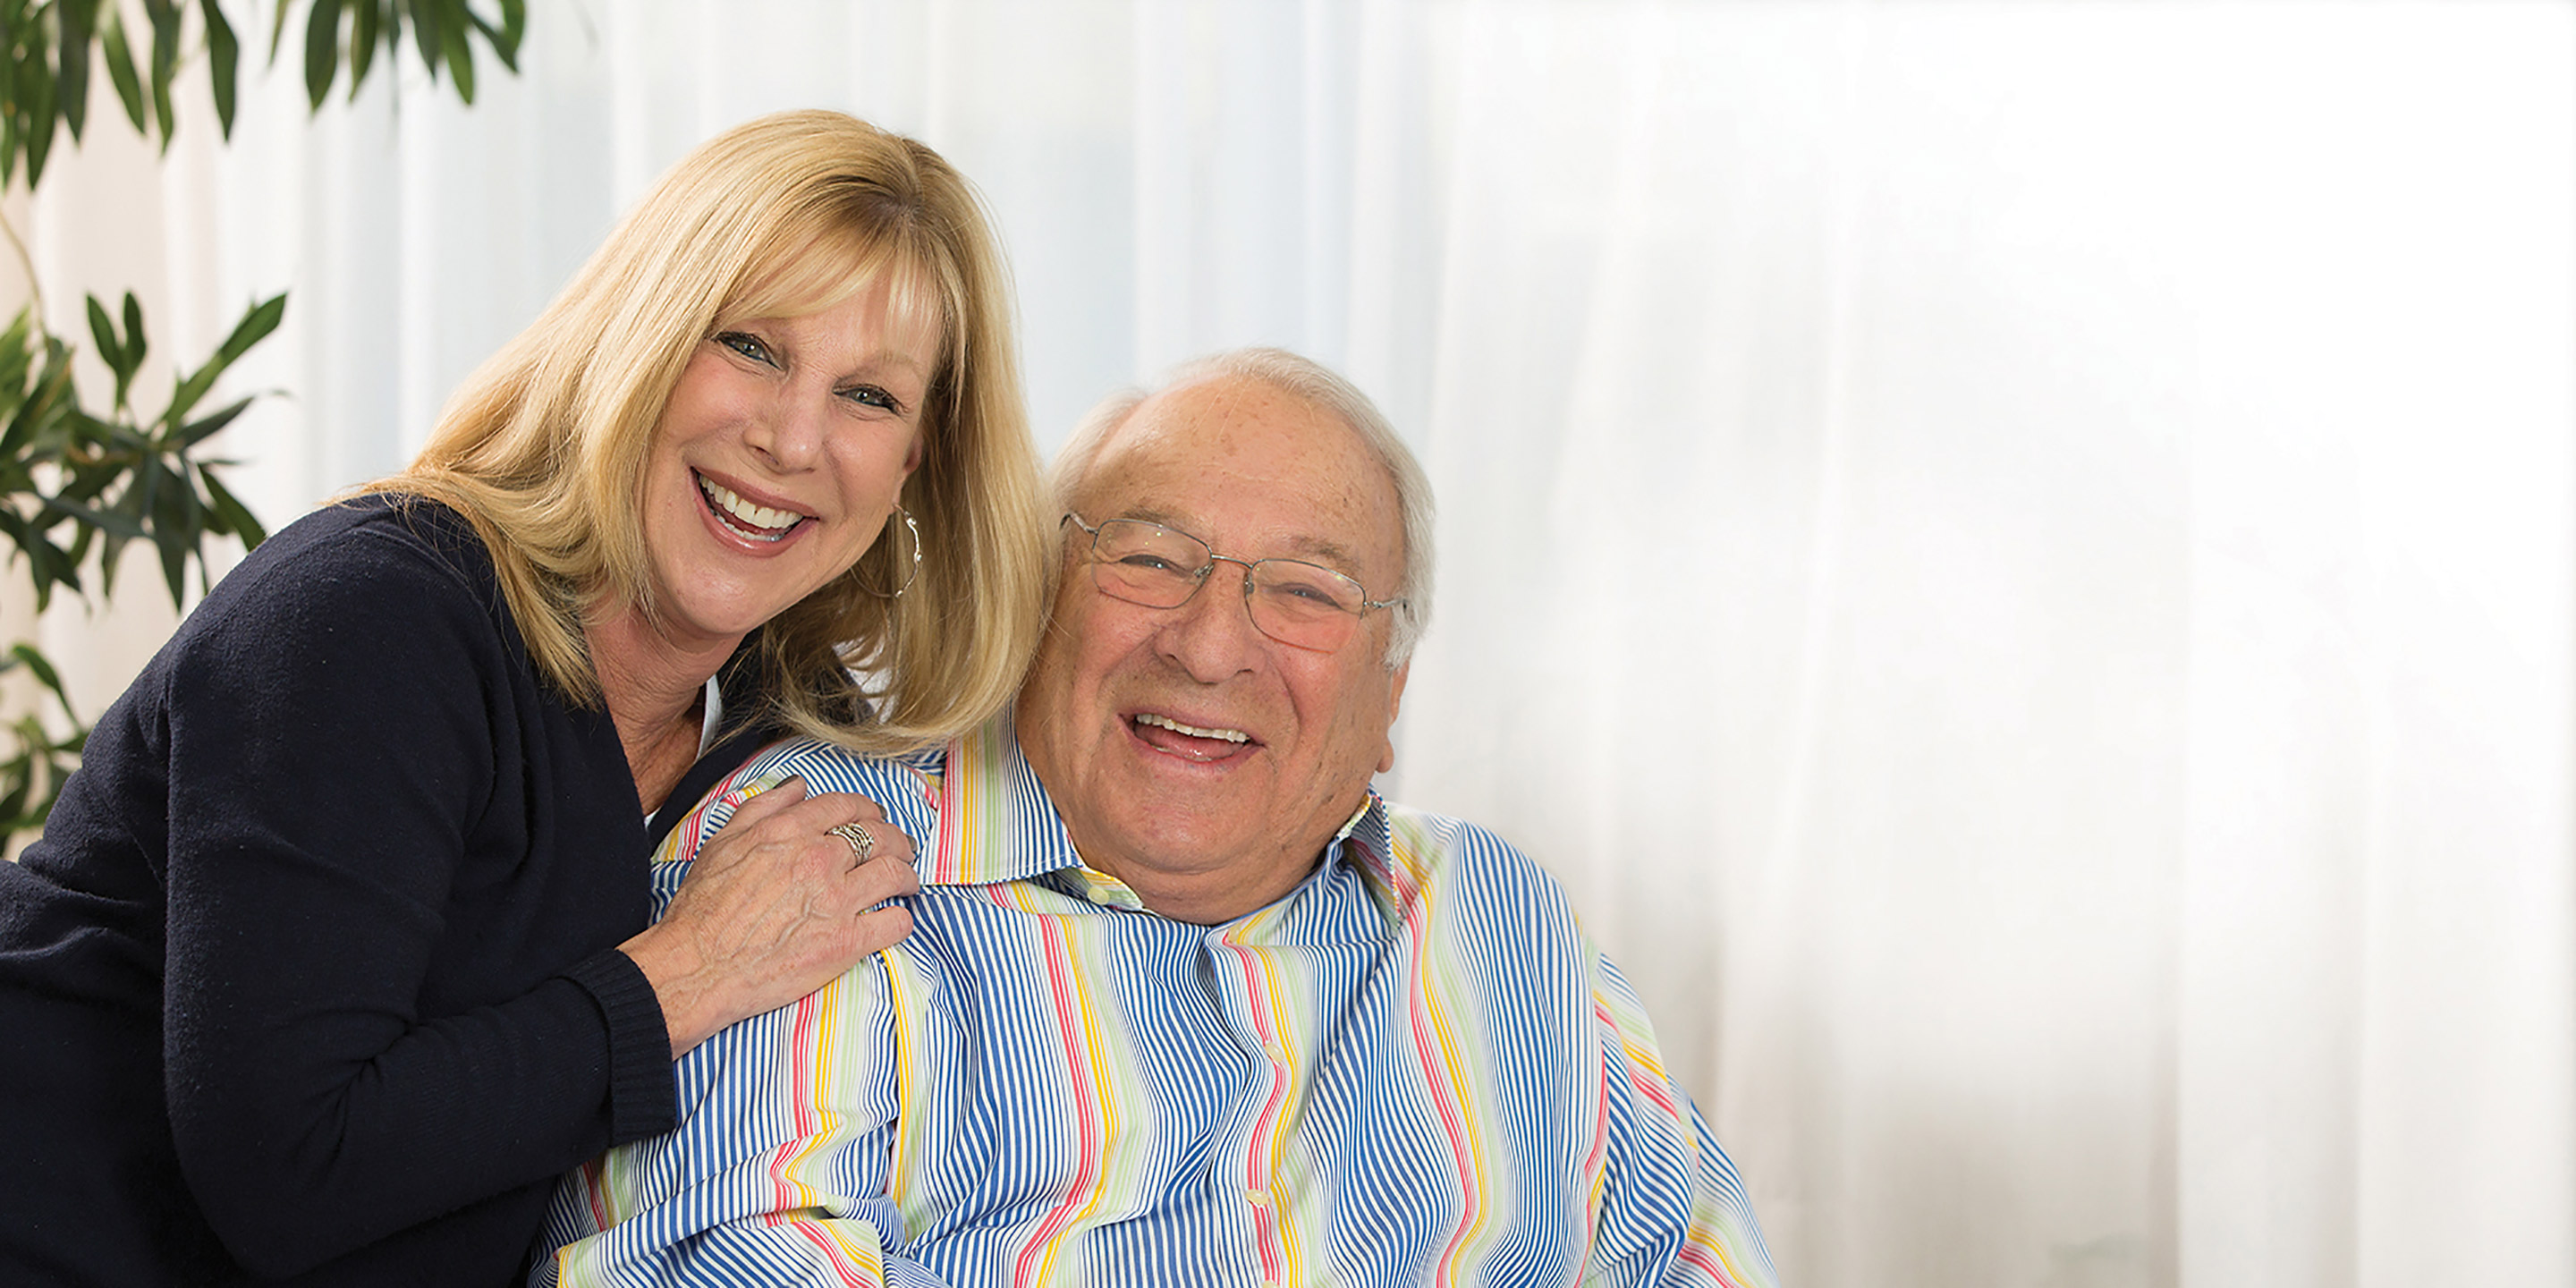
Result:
x=1212 y=636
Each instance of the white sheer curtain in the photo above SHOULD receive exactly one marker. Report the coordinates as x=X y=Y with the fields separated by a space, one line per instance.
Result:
x=2020 y=560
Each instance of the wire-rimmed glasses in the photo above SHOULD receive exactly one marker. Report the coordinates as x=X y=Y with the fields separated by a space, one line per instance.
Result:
x=1300 y=604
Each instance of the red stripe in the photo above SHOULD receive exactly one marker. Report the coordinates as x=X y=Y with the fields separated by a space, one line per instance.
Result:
x=1068 y=1020
x=1265 y=1218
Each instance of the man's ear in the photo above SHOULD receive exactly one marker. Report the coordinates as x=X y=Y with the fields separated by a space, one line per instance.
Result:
x=1394 y=707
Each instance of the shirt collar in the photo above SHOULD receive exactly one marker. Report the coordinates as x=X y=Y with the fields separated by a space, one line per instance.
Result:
x=996 y=823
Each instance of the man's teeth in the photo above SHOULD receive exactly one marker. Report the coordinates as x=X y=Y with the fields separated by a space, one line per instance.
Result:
x=1165 y=722
x=758 y=521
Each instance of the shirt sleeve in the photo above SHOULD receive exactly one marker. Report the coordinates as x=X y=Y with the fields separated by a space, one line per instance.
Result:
x=1672 y=1211
x=331 y=739
x=778 y=1171
x=758 y=1184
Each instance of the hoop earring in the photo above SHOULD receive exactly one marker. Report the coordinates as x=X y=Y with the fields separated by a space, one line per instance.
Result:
x=915 y=573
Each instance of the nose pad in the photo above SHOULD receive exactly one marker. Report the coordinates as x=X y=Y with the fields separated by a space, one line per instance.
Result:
x=1242 y=585
x=1212 y=636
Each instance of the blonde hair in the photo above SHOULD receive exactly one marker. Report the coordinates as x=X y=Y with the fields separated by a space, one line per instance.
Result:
x=543 y=448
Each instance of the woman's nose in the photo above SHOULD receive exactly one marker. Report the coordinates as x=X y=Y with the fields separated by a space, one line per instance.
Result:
x=788 y=430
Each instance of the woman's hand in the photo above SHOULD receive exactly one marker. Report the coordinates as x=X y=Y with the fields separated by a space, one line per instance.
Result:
x=776 y=906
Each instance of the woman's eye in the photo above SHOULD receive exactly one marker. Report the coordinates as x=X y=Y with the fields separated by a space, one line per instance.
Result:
x=746 y=345
x=871 y=396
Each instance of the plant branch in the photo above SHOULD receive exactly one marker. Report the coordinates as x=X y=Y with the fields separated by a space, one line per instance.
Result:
x=26 y=264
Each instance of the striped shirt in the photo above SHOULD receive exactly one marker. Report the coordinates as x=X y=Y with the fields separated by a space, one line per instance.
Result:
x=1413 y=1069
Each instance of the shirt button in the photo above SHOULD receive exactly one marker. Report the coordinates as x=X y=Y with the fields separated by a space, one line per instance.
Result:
x=1257 y=1198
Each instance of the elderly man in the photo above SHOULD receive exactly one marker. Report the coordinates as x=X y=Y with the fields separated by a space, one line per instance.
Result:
x=1185 y=1001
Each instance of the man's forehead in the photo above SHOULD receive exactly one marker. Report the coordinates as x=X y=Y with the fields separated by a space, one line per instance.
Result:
x=1227 y=459
x=1302 y=543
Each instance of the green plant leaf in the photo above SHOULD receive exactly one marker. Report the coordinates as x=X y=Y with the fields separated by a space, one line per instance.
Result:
x=38 y=414
x=505 y=38
x=120 y=68
x=15 y=431
x=254 y=327
x=177 y=529
x=17 y=434
x=425 y=33
x=189 y=389
x=199 y=430
x=49 y=567
x=321 y=50
x=110 y=351
x=165 y=63
x=73 y=20
x=460 y=55
x=99 y=442
x=110 y=548
x=134 y=346
x=137 y=502
x=88 y=480
x=223 y=60
x=25 y=655
x=277 y=31
x=18 y=778
x=14 y=528
x=107 y=520
x=237 y=518
x=36 y=101
x=363 y=35
x=14 y=358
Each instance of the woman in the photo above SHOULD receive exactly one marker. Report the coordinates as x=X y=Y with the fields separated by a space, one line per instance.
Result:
x=333 y=955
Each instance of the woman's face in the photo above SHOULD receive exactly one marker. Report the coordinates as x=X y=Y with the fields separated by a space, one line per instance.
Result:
x=778 y=458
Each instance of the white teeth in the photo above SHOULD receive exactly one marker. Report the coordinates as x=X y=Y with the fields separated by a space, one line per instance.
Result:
x=1165 y=722
x=758 y=522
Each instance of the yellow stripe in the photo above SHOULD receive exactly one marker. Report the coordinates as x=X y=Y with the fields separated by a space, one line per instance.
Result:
x=827 y=1122
x=1438 y=992
x=1285 y=1011
x=905 y=1148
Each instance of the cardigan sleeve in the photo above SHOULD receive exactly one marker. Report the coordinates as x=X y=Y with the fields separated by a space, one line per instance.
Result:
x=335 y=739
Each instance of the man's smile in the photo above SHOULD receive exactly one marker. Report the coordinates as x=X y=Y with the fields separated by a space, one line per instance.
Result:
x=1189 y=742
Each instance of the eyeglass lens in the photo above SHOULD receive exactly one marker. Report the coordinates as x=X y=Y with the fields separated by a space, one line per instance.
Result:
x=1294 y=602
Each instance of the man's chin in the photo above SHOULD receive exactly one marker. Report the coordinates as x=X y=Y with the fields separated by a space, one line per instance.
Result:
x=1159 y=839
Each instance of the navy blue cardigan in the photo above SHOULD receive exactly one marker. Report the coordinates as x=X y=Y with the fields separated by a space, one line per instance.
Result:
x=313 y=975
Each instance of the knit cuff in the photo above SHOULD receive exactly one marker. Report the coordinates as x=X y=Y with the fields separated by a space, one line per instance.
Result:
x=643 y=1095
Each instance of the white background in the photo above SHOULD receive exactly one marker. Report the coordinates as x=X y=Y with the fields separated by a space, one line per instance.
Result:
x=2018 y=558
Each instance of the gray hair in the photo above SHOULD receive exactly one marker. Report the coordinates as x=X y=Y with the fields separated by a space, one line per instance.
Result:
x=1318 y=386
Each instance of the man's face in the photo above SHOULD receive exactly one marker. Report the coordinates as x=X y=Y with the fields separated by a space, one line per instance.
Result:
x=1227 y=813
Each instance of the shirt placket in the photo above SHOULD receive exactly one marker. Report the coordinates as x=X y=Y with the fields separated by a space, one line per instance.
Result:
x=1254 y=997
